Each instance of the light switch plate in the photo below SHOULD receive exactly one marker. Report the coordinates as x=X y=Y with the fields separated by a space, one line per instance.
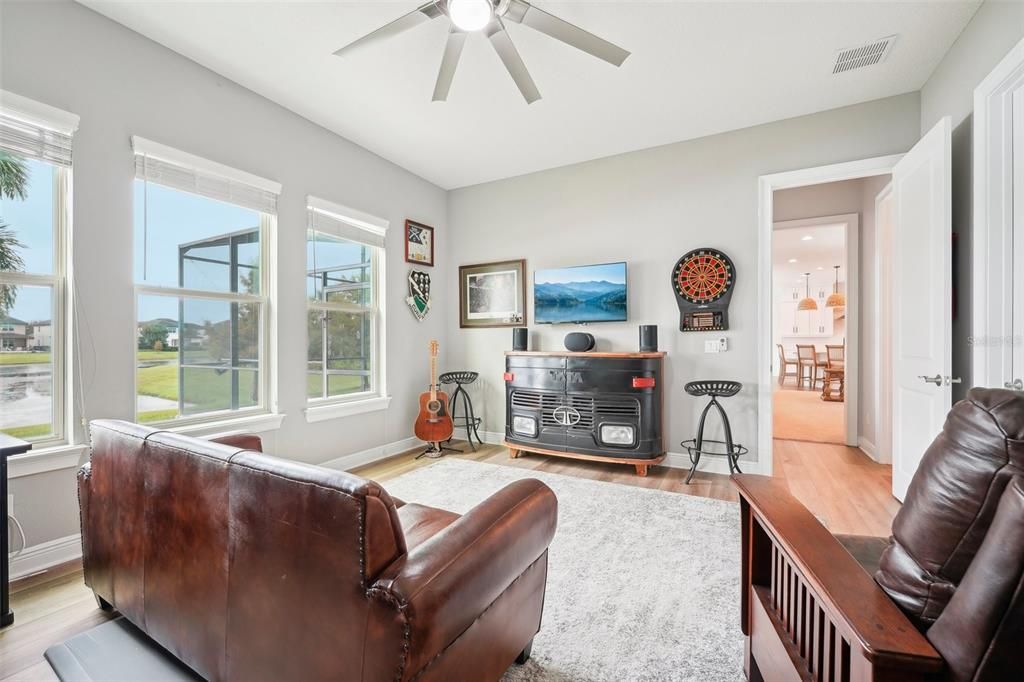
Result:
x=719 y=345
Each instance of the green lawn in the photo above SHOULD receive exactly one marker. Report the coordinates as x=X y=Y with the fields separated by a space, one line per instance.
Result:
x=28 y=432
x=23 y=358
x=205 y=388
x=15 y=358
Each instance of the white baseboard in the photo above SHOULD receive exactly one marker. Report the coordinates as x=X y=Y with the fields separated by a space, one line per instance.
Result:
x=868 y=448
x=36 y=558
x=358 y=459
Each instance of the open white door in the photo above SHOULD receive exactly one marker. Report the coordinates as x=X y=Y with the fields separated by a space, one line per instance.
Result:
x=922 y=293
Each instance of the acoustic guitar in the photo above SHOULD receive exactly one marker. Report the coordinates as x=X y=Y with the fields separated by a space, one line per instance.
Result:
x=434 y=423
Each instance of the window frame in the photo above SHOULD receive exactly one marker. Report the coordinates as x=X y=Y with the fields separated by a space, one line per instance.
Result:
x=326 y=406
x=45 y=117
x=266 y=299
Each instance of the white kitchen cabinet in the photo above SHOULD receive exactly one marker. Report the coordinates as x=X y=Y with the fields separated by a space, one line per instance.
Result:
x=811 y=323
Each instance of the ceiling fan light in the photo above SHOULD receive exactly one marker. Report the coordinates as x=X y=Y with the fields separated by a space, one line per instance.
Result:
x=470 y=15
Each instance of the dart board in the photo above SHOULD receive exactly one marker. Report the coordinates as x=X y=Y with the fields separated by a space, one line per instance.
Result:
x=702 y=281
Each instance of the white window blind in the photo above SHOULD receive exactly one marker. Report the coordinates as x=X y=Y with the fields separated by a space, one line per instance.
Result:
x=346 y=223
x=179 y=170
x=34 y=130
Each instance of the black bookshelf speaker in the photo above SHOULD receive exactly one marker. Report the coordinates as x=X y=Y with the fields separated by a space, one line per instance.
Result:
x=520 y=337
x=648 y=338
x=579 y=342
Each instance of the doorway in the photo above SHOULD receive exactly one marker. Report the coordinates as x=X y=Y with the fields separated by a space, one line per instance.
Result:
x=791 y=201
x=814 y=262
x=997 y=344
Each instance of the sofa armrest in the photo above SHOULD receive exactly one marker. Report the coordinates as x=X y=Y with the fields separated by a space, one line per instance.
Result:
x=243 y=441
x=443 y=585
x=804 y=595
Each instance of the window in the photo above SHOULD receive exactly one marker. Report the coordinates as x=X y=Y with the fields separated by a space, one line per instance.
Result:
x=344 y=290
x=35 y=176
x=201 y=273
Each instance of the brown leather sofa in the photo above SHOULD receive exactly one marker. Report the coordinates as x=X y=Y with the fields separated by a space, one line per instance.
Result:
x=947 y=599
x=248 y=567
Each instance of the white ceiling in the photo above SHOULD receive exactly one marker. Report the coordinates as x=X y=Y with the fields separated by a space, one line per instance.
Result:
x=825 y=248
x=696 y=69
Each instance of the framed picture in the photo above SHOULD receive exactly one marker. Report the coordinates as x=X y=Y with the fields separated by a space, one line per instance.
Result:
x=419 y=243
x=493 y=294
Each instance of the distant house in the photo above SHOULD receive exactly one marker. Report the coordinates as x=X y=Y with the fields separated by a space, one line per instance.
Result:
x=14 y=334
x=40 y=335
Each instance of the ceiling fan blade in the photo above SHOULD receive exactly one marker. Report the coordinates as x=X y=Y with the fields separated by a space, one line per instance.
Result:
x=502 y=43
x=420 y=15
x=449 y=62
x=523 y=12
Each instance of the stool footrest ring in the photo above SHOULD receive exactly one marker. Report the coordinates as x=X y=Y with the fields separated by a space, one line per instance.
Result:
x=691 y=447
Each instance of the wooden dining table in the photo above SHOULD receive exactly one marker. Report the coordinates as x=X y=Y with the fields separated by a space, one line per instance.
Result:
x=821 y=355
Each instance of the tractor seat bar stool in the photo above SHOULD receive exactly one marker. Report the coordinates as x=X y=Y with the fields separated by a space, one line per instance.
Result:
x=471 y=421
x=705 y=446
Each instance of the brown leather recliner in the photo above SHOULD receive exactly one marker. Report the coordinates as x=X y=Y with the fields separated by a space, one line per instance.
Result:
x=248 y=567
x=947 y=600
x=955 y=562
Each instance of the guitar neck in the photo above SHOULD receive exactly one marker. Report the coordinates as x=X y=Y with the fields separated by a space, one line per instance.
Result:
x=433 y=377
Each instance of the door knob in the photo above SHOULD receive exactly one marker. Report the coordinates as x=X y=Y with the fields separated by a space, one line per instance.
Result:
x=1015 y=385
x=950 y=380
x=937 y=379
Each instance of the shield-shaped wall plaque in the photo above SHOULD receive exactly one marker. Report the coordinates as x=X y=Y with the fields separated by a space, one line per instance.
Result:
x=419 y=294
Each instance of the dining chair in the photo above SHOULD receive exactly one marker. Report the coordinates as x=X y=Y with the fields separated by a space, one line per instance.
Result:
x=835 y=356
x=833 y=385
x=807 y=358
x=785 y=362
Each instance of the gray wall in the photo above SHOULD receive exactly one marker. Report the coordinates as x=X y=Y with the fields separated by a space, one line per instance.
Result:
x=123 y=84
x=648 y=208
x=995 y=29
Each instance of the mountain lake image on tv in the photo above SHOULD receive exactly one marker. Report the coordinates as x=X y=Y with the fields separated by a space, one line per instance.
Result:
x=588 y=293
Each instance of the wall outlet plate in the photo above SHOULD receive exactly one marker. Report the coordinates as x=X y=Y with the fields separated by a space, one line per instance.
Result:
x=10 y=504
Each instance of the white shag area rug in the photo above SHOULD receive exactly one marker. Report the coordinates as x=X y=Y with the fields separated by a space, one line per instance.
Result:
x=642 y=584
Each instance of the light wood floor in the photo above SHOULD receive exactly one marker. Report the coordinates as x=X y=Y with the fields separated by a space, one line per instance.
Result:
x=799 y=413
x=845 y=489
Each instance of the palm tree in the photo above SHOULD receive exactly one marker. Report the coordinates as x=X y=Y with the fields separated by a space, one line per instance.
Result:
x=13 y=185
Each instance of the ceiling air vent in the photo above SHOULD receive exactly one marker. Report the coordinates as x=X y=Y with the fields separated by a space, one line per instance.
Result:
x=851 y=58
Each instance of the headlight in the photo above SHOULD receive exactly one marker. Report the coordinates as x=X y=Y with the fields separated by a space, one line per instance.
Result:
x=524 y=426
x=617 y=434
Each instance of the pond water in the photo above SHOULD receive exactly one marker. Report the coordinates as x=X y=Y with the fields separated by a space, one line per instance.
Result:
x=26 y=395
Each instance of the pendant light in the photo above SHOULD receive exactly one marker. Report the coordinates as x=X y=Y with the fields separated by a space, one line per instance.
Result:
x=807 y=303
x=836 y=300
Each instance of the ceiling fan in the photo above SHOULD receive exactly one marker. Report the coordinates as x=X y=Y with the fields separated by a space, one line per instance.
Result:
x=488 y=17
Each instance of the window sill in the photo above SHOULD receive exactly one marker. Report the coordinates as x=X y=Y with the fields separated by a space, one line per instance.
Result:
x=256 y=423
x=319 y=413
x=41 y=461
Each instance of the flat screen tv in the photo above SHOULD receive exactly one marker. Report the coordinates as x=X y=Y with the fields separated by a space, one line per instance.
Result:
x=586 y=293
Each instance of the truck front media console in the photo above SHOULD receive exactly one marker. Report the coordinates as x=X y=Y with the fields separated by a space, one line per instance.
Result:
x=597 y=406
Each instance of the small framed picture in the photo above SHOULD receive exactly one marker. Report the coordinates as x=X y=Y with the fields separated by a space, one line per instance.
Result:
x=419 y=243
x=493 y=294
